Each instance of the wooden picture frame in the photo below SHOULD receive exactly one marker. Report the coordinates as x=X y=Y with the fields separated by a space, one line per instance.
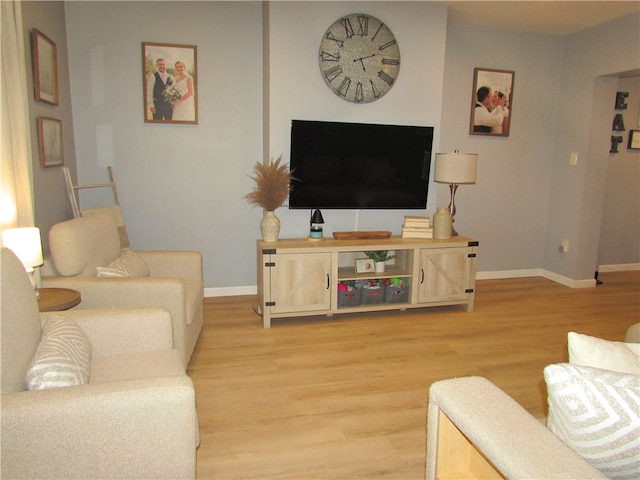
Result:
x=634 y=140
x=170 y=83
x=45 y=67
x=50 y=142
x=491 y=102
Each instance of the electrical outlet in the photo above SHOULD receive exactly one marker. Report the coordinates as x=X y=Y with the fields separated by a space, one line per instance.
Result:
x=564 y=246
x=573 y=159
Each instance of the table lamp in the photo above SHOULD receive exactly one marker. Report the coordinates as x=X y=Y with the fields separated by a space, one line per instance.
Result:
x=455 y=168
x=25 y=243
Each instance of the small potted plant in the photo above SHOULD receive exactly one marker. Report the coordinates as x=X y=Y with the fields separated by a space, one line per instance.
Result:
x=272 y=185
x=379 y=257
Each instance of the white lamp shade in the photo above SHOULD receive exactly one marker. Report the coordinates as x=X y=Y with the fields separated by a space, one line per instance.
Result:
x=456 y=167
x=26 y=244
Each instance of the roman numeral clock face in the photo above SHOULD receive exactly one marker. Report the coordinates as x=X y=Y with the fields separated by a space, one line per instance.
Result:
x=359 y=58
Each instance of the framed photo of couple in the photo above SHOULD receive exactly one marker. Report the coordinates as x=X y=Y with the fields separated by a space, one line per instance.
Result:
x=491 y=102
x=170 y=83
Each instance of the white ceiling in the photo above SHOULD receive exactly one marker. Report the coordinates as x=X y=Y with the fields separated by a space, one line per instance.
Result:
x=547 y=16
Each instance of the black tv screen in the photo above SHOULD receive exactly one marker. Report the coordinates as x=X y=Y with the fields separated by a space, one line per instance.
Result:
x=340 y=165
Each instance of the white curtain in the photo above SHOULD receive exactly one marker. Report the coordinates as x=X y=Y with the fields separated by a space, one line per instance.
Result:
x=16 y=172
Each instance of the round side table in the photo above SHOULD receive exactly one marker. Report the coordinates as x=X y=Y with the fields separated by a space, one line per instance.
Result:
x=56 y=299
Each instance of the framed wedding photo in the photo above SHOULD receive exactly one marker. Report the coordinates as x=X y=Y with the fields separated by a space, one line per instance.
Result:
x=45 y=67
x=491 y=102
x=170 y=83
x=50 y=140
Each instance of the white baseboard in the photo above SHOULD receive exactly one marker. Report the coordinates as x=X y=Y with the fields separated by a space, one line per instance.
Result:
x=231 y=291
x=622 y=267
x=537 y=272
x=531 y=272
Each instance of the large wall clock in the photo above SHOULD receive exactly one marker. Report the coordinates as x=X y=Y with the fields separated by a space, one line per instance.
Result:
x=359 y=58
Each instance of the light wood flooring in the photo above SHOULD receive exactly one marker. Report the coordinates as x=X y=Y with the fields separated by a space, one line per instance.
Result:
x=345 y=397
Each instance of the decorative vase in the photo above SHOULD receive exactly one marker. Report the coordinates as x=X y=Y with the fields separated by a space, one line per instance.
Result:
x=270 y=226
x=442 y=223
x=379 y=267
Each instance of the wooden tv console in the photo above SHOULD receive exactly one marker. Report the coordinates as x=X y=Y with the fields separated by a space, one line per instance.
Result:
x=298 y=277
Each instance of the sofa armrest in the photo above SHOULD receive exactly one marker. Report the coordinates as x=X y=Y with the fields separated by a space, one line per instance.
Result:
x=118 y=331
x=497 y=429
x=170 y=263
x=126 y=292
x=57 y=433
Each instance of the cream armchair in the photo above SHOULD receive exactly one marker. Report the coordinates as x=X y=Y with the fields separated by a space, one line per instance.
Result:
x=81 y=245
x=135 y=416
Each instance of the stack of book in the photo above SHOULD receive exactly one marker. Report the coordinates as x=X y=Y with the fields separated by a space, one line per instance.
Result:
x=417 y=227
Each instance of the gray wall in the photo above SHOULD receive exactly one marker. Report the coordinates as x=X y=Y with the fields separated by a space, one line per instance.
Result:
x=507 y=207
x=590 y=61
x=51 y=203
x=620 y=230
x=183 y=186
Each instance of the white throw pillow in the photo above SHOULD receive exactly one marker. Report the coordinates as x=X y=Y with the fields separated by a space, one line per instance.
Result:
x=128 y=264
x=597 y=414
x=63 y=357
x=598 y=353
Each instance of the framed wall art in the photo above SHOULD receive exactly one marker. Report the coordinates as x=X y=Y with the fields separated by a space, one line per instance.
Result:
x=491 y=102
x=50 y=141
x=634 y=140
x=170 y=83
x=45 y=67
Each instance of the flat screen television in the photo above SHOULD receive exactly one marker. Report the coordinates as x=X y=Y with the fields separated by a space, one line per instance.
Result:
x=340 y=165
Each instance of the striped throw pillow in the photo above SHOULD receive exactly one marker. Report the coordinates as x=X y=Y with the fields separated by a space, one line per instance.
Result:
x=596 y=412
x=63 y=357
x=128 y=264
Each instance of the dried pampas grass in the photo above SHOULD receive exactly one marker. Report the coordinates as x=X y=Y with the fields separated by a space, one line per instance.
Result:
x=273 y=183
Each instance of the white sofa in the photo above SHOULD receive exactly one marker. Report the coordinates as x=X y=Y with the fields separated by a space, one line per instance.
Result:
x=475 y=430
x=126 y=410
x=80 y=245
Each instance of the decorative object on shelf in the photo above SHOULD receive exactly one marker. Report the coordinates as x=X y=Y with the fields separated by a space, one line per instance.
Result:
x=26 y=244
x=50 y=142
x=270 y=226
x=634 y=140
x=416 y=226
x=272 y=185
x=365 y=265
x=491 y=102
x=442 y=223
x=615 y=140
x=618 y=123
x=359 y=58
x=170 y=86
x=45 y=67
x=621 y=100
x=315 y=231
x=379 y=257
x=455 y=169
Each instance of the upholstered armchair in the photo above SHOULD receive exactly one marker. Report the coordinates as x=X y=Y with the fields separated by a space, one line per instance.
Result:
x=85 y=247
x=90 y=393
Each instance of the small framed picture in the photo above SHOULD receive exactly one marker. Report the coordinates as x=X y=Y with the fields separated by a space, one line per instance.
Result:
x=365 y=265
x=50 y=140
x=634 y=140
x=491 y=102
x=45 y=67
x=170 y=83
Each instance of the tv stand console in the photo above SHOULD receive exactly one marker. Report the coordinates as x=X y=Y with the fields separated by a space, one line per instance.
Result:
x=297 y=277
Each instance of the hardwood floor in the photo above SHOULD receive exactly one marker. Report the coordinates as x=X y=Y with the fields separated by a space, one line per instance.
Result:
x=345 y=397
